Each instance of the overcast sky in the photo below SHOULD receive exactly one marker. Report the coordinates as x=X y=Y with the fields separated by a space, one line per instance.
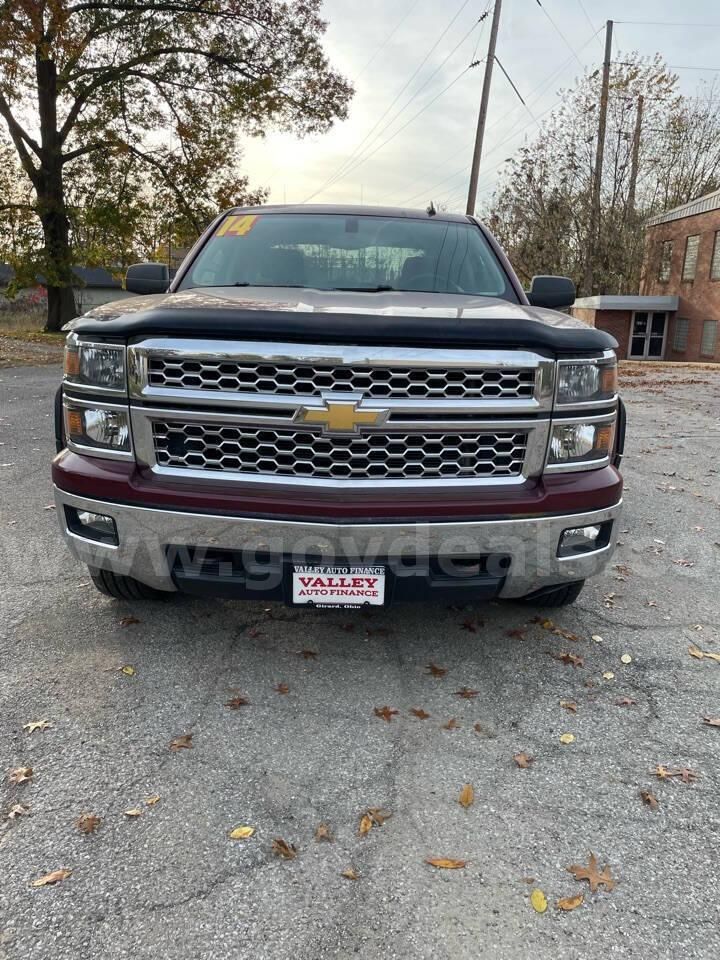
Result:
x=380 y=44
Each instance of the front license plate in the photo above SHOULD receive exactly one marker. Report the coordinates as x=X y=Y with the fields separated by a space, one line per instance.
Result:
x=338 y=586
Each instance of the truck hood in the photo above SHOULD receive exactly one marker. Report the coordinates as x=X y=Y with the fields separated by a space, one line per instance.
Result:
x=390 y=304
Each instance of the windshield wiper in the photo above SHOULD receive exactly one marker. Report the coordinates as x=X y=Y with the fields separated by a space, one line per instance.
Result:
x=381 y=288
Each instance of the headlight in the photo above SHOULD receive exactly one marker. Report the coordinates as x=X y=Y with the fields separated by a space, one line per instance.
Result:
x=589 y=382
x=576 y=444
x=105 y=428
x=99 y=365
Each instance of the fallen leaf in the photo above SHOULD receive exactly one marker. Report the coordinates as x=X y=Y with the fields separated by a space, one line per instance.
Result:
x=570 y=659
x=55 y=877
x=241 y=833
x=350 y=874
x=436 y=671
x=712 y=721
x=681 y=773
x=17 y=810
x=129 y=621
x=128 y=670
x=373 y=817
x=135 y=812
x=649 y=798
x=626 y=658
x=466 y=693
x=183 y=742
x=608 y=675
x=365 y=825
x=308 y=654
x=283 y=849
x=567 y=738
x=477 y=728
x=21 y=775
x=625 y=702
x=472 y=624
x=419 y=713
x=538 y=900
x=88 y=823
x=569 y=705
x=281 y=688
x=523 y=760
x=385 y=713
x=467 y=796
x=36 y=725
x=517 y=633
x=446 y=863
x=594 y=877
x=322 y=832
x=452 y=724
x=237 y=702
x=702 y=654
x=151 y=801
x=597 y=638
x=570 y=903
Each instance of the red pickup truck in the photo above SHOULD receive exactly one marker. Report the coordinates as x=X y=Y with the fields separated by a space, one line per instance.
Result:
x=340 y=406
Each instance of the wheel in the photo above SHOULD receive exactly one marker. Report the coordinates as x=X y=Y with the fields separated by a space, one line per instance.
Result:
x=559 y=596
x=123 y=588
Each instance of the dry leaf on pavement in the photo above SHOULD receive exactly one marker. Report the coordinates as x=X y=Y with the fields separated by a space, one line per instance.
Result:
x=517 y=633
x=649 y=798
x=241 y=833
x=569 y=705
x=237 y=702
x=626 y=658
x=436 y=671
x=569 y=659
x=151 y=801
x=55 y=877
x=36 y=725
x=283 y=849
x=523 y=760
x=446 y=863
x=129 y=621
x=373 y=817
x=88 y=823
x=681 y=773
x=183 y=742
x=308 y=654
x=350 y=874
x=608 y=675
x=712 y=721
x=625 y=702
x=17 y=810
x=385 y=713
x=128 y=670
x=452 y=724
x=322 y=832
x=702 y=654
x=467 y=796
x=419 y=713
x=570 y=903
x=281 y=688
x=21 y=775
x=466 y=693
x=135 y=812
x=567 y=738
x=538 y=901
x=592 y=874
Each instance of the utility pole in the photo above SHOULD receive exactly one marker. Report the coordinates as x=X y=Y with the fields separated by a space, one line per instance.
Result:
x=482 y=116
x=635 y=156
x=597 y=176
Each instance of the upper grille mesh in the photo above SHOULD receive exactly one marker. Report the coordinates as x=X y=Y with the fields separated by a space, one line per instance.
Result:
x=292 y=379
x=233 y=448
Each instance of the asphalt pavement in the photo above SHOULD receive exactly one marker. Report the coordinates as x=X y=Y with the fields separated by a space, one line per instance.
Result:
x=170 y=883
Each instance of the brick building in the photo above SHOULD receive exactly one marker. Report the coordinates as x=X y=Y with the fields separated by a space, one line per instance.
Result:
x=677 y=313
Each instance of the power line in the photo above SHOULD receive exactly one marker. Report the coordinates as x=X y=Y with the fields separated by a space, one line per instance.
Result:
x=668 y=23
x=388 y=38
x=670 y=66
x=342 y=169
x=587 y=17
x=561 y=34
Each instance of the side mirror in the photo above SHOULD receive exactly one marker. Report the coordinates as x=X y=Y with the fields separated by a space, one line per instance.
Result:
x=552 y=292
x=147 y=278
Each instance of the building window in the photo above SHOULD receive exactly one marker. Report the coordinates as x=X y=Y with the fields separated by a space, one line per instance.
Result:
x=691 y=255
x=682 y=324
x=709 y=338
x=715 y=262
x=665 y=260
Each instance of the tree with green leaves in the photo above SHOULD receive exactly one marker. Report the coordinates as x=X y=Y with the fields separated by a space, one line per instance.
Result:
x=162 y=86
x=541 y=209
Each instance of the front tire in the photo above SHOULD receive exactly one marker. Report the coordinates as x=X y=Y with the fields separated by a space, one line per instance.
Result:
x=559 y=596
x=123 y=588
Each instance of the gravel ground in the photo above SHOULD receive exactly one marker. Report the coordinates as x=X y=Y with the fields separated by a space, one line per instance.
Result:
x=171 y=884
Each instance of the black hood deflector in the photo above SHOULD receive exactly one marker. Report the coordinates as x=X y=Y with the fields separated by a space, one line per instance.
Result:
x=353 y=328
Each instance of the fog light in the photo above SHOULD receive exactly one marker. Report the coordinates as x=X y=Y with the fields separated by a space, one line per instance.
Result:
x=579 y=540
x=92 y=526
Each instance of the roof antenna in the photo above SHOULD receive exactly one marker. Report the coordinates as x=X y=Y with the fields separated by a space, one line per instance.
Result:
x=431 y=211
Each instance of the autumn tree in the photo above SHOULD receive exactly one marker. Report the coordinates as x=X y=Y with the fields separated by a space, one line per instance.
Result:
x=169 y=84
x=541 y=209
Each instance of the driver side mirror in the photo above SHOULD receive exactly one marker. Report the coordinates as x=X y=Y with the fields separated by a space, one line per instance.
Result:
x=551 y=292
x=147 y=278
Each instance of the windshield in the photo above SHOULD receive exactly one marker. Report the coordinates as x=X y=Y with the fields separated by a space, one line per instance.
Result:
x=340 y=252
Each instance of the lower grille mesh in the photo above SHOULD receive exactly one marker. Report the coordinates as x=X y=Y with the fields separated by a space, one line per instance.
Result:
x=230 y=448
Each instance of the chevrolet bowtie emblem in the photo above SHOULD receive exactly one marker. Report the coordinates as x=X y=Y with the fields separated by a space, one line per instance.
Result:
x=341 y=416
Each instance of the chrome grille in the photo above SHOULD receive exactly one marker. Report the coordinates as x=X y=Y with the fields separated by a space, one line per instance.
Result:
x=292 y=379
x=238 y=448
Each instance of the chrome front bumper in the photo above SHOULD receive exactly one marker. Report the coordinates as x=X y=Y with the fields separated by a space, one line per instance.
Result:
x=144 y=534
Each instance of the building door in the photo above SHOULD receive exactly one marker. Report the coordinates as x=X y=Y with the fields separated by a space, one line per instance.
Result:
x=647 y=336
